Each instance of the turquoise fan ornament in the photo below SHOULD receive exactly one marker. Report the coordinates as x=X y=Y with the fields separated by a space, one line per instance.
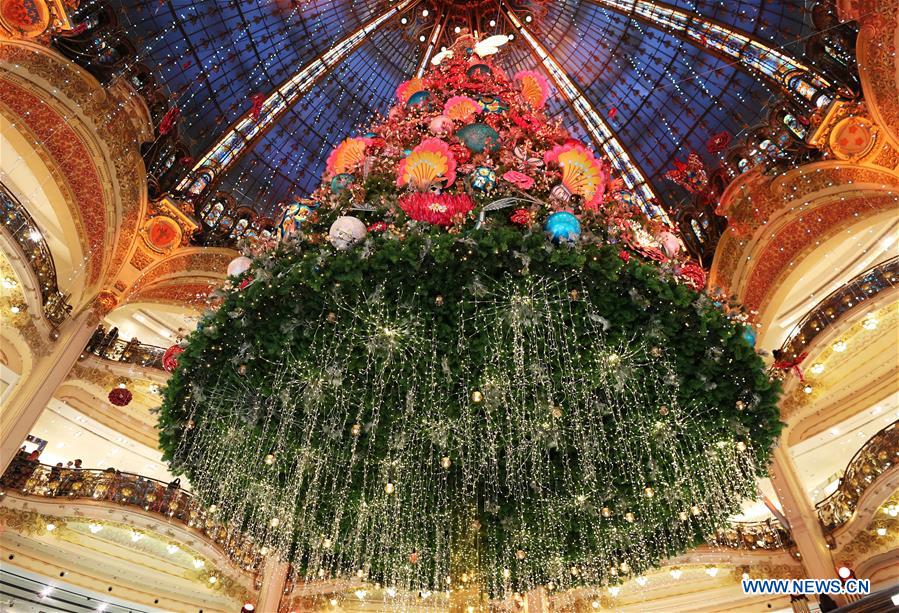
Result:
x=479 y=137
x=341 y=182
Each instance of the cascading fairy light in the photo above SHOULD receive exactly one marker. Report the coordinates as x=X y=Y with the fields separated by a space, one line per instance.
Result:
x=347 y=469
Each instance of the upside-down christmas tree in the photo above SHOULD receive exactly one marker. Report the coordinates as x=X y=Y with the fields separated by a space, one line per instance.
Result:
x=470 y=359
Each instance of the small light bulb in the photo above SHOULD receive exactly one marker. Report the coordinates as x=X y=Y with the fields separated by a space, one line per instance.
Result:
x=390 y=488
x=817 y=368
x=870 y=324
x=839 y=346
x=425 y=12
x=51 y=527
x=808 y=389
x=676 y=573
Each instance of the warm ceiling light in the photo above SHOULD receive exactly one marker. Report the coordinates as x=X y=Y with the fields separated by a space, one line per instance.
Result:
x=528 y=19
x=34 y=235
x=817 y=368
x=404 y=21
x=676 y=573
x=870 y=324
x=213 y=579
x=425 y=13
x=641 y=581
x=844 y=572
x=95 y=528
x=613 y=591
x=457 y=29
x=198 y=563
x=711 y=571
x=492 y=23
x=808 y=389
x=881 y=532
x=172 y=548
x=421 y=38
x=839 y=346
x=51 y=527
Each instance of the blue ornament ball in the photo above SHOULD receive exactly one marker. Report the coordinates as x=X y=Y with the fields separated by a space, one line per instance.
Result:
x=483 y=179
x=749 y=335
x=479 y=137
x=562 y=227
x=418 y=98
x=341 y=182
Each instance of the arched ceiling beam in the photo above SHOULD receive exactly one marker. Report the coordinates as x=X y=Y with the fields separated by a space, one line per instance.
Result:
x=751 y=54
x=596 y=127
x=439 y=27
x=242 y=134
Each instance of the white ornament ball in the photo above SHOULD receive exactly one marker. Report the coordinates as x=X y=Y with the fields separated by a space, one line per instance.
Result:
x=346 y=231
x=239 y=265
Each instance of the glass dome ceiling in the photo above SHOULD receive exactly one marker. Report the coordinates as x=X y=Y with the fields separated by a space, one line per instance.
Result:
x=662 y=91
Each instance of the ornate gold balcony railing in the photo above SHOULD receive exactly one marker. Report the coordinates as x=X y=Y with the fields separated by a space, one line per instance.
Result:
x=169 y=502
x=877 y=455
x=23 y=229
x=108 y=346
x=847 y=297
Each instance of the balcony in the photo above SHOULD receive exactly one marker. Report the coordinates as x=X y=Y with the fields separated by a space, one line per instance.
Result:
x=27 y=235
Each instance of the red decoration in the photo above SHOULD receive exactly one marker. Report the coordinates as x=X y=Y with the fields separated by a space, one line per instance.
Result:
x=169 y=120
x=244 y=282
x=624 y=255
x=691 y=175
x=170 y=357
x=79 y=29
x=257 y=100
x=692 y=274
x=718 y=142
x=437 y=209
x=612 y=112
x=519 y=179
x=378 y=226
x=120 y=396
x=522 y=217
x=793 y=365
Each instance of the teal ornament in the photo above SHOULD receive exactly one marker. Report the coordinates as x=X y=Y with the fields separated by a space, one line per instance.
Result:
x=562 y=227
x=483 y=179
x=479 y=137
x=418 y=98
x=749 y=335
x=341 y=182
x=492 y=104
x=482 y=70
x=370 y=135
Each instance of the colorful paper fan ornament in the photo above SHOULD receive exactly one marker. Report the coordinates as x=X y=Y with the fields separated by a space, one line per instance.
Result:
x=534 y=88
x=346 y=156
x=582 y=174
x=461 y=108
x=437 y=209
x=408 y=88
x=294 y=216
x=691 y=175
x=429 y=162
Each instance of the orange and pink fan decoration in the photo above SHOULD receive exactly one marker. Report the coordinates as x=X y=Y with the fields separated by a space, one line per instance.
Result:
x=347 y=156
x=582 y=173
x=534 y=88
x=428 y=163
x=409 y=88
x=461 y=108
